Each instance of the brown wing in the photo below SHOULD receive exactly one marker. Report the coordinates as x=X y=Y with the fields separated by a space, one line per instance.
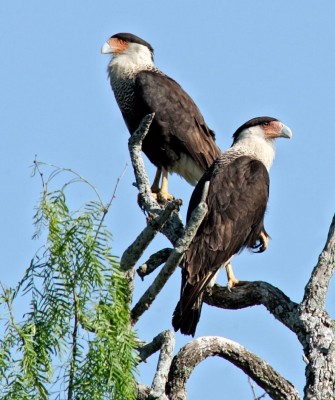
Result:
x=178 y=126
x=237 y=198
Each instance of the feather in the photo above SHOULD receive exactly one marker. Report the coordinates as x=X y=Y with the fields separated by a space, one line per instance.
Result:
x=237 y=198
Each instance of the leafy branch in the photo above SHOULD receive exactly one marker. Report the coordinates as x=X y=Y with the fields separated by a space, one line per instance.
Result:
x=79 y=307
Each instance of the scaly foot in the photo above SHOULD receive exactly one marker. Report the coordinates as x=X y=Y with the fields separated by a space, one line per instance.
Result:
x=232 y=281
x=161 y=197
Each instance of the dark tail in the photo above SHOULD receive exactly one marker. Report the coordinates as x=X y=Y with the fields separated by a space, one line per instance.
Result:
x=186 y=316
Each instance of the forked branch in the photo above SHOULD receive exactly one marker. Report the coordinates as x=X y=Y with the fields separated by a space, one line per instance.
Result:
x=173 y=229
x=136 y=249
x=164 y=342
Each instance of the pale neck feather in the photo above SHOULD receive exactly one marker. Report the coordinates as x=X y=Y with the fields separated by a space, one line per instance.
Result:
x=137 y=57
x=257 y=147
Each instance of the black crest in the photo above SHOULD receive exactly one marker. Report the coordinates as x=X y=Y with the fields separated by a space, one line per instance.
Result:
x=129 y=37
x=253 y=122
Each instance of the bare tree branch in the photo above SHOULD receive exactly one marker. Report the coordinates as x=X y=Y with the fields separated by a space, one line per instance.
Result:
x=317 y=287
x=143 y=392
x=136 y=249
x=173 y=229
x=148 y=349
x=248 y=294
x=135 y=149
x=154 y=261
x=198 y=350
x=317 y=335
x=173 y=261
x=309 y=320
x=164 y=363
x=164 y=342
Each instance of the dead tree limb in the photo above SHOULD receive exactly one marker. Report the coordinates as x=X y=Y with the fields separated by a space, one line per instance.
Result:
x=154 y=261
x=248 y=294
x=317 y=335
x=308 y=320
x=173 y=229
x=317 y=287
x=164 y=363
x=164 y=342
x=154 y=225
x=199 y=349
x=135 y=150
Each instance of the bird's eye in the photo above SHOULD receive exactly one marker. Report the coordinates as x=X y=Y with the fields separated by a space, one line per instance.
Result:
x=265 y=123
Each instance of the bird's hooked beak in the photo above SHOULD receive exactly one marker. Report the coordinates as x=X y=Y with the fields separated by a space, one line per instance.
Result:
x=285 y=132
x=107 y=48
x=276 y=129
x=114 y=46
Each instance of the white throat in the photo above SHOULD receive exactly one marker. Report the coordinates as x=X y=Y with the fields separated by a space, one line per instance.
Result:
x=136 y=57
x=258 y=147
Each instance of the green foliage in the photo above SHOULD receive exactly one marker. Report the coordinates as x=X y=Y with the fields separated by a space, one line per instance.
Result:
x=75 y=341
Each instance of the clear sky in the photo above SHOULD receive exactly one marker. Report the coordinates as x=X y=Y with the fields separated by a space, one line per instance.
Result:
x=237 y=59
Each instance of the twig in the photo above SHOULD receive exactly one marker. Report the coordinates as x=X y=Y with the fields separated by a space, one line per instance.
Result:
x=154 y=261
x=57 y=170
x=106 y=209
x=8 y=298
x=36 y=164
x=254 y=391
x=252 y=388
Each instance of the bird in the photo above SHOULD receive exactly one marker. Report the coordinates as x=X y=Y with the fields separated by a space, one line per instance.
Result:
x=237 y=198
x=178 y=141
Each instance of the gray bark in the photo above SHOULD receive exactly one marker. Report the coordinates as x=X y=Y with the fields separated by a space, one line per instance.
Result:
x=198 y=350
x=154 y=261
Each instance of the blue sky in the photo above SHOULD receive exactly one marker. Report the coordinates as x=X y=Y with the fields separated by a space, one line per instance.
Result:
x=237 y=60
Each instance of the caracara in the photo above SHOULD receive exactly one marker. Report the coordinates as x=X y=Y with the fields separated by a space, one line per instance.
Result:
x=178 y=139
x=237 y=198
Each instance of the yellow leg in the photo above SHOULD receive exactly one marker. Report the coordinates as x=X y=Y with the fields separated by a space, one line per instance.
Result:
x=155 y=184
x=164 y=188
x=232 y=281
x=264 y=239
